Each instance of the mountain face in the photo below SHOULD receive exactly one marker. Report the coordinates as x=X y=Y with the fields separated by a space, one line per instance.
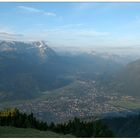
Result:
x=22 y=66
x=38 y=48
x=129 y=79
x=27 y=69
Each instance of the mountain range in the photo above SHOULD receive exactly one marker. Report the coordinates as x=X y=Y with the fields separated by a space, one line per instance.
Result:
x=27 y=68
x=34 y=73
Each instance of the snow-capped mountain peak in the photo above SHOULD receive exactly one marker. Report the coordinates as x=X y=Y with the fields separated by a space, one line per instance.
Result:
x=40 y=44
x=36 y=48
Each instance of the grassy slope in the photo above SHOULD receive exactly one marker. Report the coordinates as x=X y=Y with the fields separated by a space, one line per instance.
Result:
x=12 y=132
x=128 y=104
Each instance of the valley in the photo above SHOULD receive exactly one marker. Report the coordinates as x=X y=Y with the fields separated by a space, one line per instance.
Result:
x=57 y=87
x=70 y=69
x=81 y=99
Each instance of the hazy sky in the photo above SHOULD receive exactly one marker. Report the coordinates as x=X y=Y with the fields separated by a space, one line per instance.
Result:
x=72 y=24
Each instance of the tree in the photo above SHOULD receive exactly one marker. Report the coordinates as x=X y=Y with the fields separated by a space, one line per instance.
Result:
x=101 y=130
x=52 y=126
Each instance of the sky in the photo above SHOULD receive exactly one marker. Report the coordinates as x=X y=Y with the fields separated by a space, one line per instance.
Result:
x=72 y=24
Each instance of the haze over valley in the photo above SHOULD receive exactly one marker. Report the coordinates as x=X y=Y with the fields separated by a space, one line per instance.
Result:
x=70 y=68
x=58 y=86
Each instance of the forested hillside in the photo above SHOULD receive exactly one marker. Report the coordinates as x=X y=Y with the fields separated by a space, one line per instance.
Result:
x=128 y=126
x=76 y=127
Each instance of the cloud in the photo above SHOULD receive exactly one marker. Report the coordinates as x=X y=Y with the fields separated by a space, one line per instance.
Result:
x=67 y=26
x=69 y=34
x=92 y=33
x=98 y=8
x=36 y=10
x=29 y=9
x=9 y=34
x=86 y=6
x=49 y=14
x=76 y=30
x=73 y=35
x=13 y=36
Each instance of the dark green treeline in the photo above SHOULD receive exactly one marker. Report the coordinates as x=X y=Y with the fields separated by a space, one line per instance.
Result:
x=76 y=127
